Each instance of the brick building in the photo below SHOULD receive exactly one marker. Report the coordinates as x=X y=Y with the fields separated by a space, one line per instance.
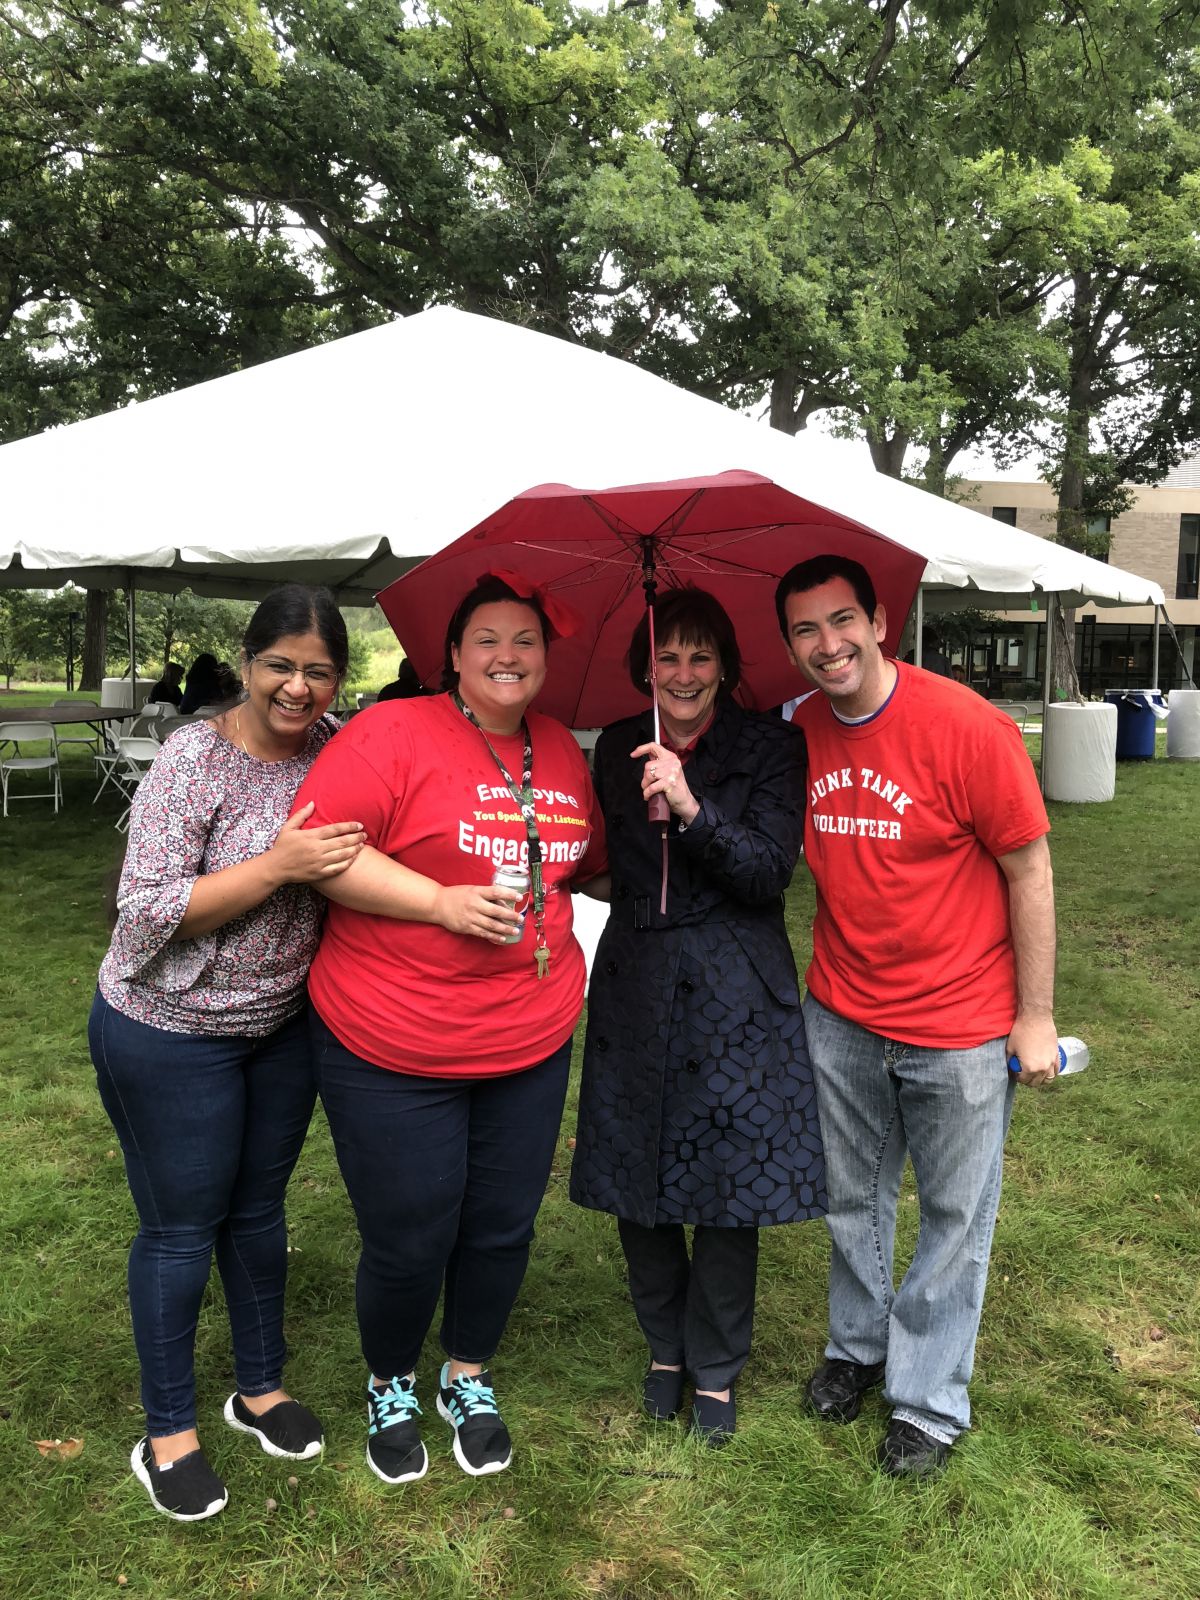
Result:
x=1158 y=538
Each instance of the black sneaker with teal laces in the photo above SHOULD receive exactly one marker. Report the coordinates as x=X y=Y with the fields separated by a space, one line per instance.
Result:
x=288 y=1429
x=187 y=1489
x=481 y=1441
x=395 y=1451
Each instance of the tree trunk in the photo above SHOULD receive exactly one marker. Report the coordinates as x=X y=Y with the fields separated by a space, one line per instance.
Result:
x=783 y=400
x=95 y=639
x=935 y=469
x=1064 y=679
x=888 y=454
x=1071 y=521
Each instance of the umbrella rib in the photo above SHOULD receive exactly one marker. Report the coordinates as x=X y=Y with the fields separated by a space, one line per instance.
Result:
x=612 y=606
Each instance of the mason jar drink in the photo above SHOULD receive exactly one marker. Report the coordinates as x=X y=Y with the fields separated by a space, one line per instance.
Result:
x=517 y=879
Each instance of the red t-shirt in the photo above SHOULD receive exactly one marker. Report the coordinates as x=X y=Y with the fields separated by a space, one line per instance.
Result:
x=906 y=816
x=410 y=995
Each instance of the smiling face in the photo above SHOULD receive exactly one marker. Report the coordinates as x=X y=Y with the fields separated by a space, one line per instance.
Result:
x=689 y=676
x=501 y=663
x=836 y=646
x=282 y=705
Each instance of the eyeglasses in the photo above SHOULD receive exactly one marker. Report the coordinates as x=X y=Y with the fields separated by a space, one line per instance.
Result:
x=319 y=677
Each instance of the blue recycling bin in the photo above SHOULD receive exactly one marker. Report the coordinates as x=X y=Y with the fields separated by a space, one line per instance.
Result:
x=1135 y=721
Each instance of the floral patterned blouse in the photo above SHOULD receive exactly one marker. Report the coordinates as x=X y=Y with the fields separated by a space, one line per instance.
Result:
x=205 y=805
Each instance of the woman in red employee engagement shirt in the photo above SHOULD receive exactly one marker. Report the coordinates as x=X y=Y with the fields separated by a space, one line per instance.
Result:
x=441 y=1042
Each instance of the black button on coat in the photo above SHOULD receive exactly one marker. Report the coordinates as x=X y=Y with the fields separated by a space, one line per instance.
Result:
x=697 y=1100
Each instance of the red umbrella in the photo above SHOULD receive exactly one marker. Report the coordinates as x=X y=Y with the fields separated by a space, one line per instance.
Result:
x=734 y=534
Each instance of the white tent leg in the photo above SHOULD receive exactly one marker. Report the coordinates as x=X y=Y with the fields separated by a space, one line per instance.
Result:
x=1154 y=664
x=131 y=638
x=919 y=641
x=1051 y=605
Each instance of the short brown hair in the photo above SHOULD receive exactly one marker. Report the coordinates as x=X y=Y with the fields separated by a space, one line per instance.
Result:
x=695 y=617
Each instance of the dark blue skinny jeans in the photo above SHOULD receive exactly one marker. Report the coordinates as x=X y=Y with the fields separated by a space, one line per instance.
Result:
x=210 y=1129
x=445 y=1176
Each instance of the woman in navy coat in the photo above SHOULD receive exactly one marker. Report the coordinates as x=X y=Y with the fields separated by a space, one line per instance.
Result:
x=697 y=1103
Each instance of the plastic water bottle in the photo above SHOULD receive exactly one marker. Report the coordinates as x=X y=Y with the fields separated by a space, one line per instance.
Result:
x=1072 y=1057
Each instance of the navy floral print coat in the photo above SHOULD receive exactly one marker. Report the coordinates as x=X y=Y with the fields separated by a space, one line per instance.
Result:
x=697 y=1102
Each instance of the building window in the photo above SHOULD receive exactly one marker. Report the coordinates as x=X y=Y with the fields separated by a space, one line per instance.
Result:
x=1005 y=514
x=1187 y=582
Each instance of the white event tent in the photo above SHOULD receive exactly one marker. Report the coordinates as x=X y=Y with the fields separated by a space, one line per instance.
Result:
x=348 y=463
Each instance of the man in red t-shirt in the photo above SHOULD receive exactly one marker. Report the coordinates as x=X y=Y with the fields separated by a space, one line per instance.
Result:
x=933 y=963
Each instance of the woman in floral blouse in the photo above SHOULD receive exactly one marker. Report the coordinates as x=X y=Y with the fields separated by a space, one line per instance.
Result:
x=198 y=1040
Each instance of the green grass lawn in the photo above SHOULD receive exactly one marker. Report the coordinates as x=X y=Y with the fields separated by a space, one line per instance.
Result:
x=1079 y=1480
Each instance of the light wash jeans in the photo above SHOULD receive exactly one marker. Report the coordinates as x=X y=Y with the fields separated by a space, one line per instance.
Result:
x=948 y=1109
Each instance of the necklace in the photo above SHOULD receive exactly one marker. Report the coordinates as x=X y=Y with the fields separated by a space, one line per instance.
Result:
x=237 y=728
x=523 y=796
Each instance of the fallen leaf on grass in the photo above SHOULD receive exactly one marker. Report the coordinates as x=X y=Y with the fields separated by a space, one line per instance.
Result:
x=60 y=1449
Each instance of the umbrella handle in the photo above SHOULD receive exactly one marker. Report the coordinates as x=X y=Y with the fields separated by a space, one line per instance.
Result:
x=657 y=809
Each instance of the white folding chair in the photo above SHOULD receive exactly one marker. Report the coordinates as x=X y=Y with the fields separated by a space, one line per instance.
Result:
x=86 y=709
x=16 y=734
x=137 y=753
x=109 y=762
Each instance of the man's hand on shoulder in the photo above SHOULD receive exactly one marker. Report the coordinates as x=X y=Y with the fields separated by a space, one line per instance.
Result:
x=1034 y=1042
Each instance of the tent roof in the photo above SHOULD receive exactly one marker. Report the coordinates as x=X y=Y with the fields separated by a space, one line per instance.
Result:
x=349 y=462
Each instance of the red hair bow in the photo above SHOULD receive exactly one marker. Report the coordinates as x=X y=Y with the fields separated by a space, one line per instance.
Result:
x=563 y=619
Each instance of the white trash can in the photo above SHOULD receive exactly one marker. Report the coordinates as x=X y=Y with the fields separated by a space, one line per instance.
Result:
x=1183 y=725
x=1081 y=752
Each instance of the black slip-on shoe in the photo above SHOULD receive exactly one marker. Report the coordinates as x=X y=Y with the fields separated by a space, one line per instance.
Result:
x=662 y=1393
x=187 y=1490
x=714 y=1421
x=287 y=1429
x=907 y=1451
x=836 y=1388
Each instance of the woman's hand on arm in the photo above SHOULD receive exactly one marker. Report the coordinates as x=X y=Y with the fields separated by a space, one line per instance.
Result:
x=597 y=888
x=376 y=884
x=298 y=855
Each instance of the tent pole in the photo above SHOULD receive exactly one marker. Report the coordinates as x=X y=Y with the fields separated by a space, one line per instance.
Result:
x=131 y=637
x=919 y=641
x=1154 y=665
x=1051 y=605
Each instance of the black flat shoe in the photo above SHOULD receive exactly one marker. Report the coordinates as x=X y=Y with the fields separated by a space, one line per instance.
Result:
x=907 y=1451
x=714 y=1421
x=662 y=1393
x=836 y=1388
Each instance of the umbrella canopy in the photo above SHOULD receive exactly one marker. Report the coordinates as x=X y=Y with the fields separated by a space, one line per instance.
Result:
x=734 y=534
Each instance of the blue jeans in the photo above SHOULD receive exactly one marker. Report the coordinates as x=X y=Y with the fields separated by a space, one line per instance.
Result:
x=210 y=1129
x=445 y=1176
x=948 y=1109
